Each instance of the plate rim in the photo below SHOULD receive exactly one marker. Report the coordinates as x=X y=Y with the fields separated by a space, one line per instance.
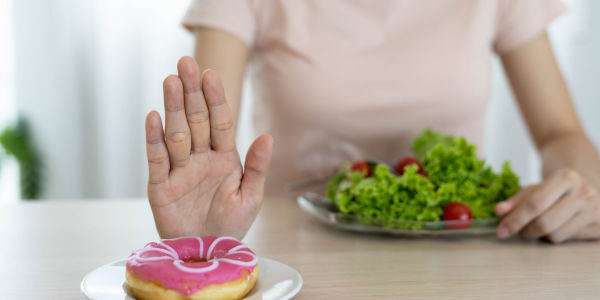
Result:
x=297 y=289
x=286 y=296
x=328 y=217
x=82 y=289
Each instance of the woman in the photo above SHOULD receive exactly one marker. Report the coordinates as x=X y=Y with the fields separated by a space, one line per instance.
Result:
x=344 y=80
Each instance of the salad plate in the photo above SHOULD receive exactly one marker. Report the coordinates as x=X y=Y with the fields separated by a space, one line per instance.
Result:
x=276 y=281
x=322 y=208
x=442 y=189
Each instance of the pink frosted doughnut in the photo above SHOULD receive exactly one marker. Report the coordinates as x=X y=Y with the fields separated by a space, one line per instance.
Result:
x=192 y=268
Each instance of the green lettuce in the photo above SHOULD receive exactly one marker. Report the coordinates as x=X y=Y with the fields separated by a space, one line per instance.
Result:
x=455 y=174
x=427 y=141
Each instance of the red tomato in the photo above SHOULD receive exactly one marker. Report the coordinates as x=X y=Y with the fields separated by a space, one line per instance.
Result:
x=409 y=161
x=361 y=166
x=457 y=211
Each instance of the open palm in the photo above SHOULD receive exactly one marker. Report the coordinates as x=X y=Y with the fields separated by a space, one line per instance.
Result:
x=197 y=185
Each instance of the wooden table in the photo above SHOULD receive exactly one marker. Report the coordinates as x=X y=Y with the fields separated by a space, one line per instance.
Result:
x=46 y=248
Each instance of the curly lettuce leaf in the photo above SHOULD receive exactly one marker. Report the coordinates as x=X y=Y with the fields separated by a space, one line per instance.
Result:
x=427 y=141
x=455 y=174
x=462 y=177
x=384 y=195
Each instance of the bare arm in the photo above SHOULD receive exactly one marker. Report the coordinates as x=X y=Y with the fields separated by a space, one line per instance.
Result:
x=546 y=105
x=228 y=56
x=566 y=205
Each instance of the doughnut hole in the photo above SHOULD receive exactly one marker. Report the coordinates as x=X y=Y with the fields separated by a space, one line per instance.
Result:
x=194 y=261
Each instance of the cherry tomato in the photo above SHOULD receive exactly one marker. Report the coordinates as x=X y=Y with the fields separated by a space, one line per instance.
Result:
x=362 y=166
x=409 y=161
x=457 y=211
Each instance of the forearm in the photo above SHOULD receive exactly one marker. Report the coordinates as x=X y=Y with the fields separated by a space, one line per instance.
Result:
x=545 y=103
x=227 y=56
x=572 y=150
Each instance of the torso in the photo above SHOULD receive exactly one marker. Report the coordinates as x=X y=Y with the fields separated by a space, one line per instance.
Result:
x=347 y=80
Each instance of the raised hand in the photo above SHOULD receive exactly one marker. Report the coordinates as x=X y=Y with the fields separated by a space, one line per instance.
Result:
x=197 y=185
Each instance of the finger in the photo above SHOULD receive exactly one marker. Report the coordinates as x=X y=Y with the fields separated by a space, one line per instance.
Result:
x=177 y=132
x=222 y=135
x=589 y=232
x=505 y=207
x=156 y=150
x=539 y=199
x=196 y=110
x=568 y=230
x=257 y=163
x=553 y=218
x=592 y=231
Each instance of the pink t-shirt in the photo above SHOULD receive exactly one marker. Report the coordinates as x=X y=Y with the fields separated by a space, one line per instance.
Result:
x=343 y=80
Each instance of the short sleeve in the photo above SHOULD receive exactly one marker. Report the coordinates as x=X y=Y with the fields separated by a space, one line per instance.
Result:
x=236 y=17
x=520 y=21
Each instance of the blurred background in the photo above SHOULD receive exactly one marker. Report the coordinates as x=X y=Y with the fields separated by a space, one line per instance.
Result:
x=77 y=79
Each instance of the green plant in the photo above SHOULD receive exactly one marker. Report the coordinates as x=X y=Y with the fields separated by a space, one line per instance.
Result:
x=16 y=142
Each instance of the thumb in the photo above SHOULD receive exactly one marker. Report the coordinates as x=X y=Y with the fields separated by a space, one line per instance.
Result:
x=504 y=207
x=257 y=163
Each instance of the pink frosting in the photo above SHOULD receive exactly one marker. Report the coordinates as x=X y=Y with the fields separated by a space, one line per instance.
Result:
x=163 y=262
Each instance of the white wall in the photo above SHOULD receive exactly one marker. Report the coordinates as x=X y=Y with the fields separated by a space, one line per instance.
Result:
x=9 y=169
x=576 y=41
x=89 y=71
x=581 y=63
x=506 y=136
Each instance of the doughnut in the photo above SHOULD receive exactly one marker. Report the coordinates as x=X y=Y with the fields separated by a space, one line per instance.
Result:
x=192 y=268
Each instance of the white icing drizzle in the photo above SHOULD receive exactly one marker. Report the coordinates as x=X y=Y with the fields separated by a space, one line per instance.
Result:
x=201 y=245
x=215 y=242
x=214 y=265
x=233 y=251
x=241 y=263
x=169 y=248
x=144 y=259
x=236 y=248
x=214 y=262
x=180 y=238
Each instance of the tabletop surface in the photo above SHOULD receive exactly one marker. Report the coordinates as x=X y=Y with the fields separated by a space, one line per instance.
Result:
x=46 y=248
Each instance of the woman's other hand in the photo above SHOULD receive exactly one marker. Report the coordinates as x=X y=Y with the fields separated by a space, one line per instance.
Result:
x=197 y=185
x=563 y=207
x=566 y=204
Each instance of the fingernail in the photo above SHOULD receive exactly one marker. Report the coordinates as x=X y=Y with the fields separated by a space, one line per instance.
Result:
x=503 y=232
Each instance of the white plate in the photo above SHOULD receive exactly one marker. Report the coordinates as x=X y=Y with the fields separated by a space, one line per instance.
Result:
x=277 y=281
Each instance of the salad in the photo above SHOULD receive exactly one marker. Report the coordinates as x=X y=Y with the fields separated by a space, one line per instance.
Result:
x=444 y=181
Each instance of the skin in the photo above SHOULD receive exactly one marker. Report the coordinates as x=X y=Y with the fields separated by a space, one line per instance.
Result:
x=207 y=192
x=227 y=56
x=566 y=205
x=197 y=185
